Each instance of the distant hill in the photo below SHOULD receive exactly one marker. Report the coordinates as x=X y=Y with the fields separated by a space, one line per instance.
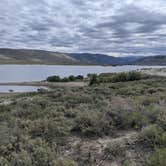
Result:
x=27 y=56
x=102 y=59
x=152 y=60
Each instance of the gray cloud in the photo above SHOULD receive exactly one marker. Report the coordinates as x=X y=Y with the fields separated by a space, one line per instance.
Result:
x=113 y=27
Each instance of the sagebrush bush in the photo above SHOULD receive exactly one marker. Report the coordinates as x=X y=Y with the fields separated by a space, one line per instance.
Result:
x=158 y=158
x=123 y=77
x=152 y=135
x=115 y=149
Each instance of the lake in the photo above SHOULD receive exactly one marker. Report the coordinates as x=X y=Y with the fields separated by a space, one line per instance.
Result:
x=6 y=89
x=28 y=73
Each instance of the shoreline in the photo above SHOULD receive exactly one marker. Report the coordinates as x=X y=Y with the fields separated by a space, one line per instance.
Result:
x=45 y=84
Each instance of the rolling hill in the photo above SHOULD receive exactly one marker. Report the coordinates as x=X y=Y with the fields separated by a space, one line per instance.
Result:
x=102 y=59
x=152 y=60
x=26 y=56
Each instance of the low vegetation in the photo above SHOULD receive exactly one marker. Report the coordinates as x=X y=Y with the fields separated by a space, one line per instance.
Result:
x=119 y=77
x=121 y=122
x=65 y=79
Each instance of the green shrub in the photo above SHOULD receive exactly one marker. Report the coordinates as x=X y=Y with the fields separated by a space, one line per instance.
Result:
x=4 y=161
x=161 y=119
x=158 y=158
x=65 y=79
x=54 y=79
x=21 y=158
x=123 y=77
x=65 y=162
x=163 y=139
x=152 y=135
x=92 y=124
x=115 y=149
x=93 y=79
x=50 y=129
x=134 y=120
x=79 y=77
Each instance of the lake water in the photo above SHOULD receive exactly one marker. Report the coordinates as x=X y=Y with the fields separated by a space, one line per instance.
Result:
x=6 y=89
x=27 y=73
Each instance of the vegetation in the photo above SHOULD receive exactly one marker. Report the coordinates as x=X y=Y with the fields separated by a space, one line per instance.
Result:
x=122 y=123
x=65 y=79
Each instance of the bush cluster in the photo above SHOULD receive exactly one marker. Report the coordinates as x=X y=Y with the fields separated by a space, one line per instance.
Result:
x=124 y=77
x=65 y=79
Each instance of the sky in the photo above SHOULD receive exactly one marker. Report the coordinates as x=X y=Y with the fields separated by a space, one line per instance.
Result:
x=113 y=27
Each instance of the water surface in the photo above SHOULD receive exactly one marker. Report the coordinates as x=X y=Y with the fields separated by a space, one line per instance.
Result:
x=12 y=89
x=28 y=73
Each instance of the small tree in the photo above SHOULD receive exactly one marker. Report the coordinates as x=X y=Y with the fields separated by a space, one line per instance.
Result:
x=93 y=80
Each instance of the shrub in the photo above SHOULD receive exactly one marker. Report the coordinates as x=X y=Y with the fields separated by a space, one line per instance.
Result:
x=93 y=79
x=65 y=162
x=21 y=158
x=50 y=129
x=72 y=78
x=123 y=77
x=92 y=124
x=3 y=162
x=54 y=79
x=65 y=79
x=79 y=77
x=158 y=158
x=115 y=149
x=161 y=119
x=134 y=120
x=152 y=135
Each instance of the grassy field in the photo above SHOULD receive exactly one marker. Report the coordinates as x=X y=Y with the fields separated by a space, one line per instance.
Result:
x=119 y=121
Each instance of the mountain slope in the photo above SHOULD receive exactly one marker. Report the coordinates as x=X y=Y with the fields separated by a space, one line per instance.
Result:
x=26 y=56
x=34 y=57
x=152 y=60
x=101 y=59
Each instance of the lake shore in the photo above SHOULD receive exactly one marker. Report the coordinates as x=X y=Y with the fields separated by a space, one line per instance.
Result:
x=46 y=84
x=155 y=72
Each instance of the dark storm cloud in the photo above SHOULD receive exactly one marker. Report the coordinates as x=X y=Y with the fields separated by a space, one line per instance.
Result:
x=114 y=27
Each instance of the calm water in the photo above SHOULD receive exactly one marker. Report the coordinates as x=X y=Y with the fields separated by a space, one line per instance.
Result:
x=5 y=89
x=21 y=73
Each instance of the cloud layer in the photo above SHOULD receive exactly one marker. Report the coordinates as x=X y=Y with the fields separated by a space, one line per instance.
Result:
x=114 y=27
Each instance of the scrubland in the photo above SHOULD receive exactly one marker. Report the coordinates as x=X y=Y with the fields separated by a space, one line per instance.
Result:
x=118 y=119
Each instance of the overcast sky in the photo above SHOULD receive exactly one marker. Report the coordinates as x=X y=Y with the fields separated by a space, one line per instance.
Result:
x=114 y=27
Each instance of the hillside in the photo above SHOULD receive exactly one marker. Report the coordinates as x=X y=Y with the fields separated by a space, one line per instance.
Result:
x=152 y=60
x=23 y=56
x=102 y=59
x=26 y=56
